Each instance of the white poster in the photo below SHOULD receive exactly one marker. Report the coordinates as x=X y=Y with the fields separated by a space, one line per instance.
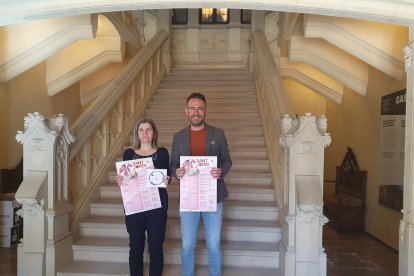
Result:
x=392 y=138
x=392 y=150
x=198 y=189
x=136 y=195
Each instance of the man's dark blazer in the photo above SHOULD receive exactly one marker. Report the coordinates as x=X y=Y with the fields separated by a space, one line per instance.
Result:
x=216 y=145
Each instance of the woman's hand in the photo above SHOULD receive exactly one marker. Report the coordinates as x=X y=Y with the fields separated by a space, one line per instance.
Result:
x=166 y=180
x=119 y=179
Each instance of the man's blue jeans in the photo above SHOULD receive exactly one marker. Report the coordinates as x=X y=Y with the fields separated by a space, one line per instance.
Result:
x=189 y=230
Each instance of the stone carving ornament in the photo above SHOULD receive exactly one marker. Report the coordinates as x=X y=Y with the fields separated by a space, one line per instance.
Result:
x=292 y=128
x=408 y=55
x=35 y=119
x=407 y=221
x=32 y=206
x=309 y=212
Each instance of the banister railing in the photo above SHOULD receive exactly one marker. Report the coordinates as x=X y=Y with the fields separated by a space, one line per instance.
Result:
x=105 y=126
x=274 y=104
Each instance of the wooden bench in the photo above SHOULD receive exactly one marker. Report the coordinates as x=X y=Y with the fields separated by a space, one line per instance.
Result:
x=346 y=208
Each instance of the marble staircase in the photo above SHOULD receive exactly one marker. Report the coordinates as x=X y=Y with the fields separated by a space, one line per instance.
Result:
x=250 y=229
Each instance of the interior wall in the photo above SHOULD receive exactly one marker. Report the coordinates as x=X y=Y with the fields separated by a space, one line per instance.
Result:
x=304 y=100
x=336 y=151
x=25 y=94
x=4 y=126
x=356 y=124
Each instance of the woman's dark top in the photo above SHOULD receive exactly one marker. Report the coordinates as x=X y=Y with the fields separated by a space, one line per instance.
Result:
x=161 y=160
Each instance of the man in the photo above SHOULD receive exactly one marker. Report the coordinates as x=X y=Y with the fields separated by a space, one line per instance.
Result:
x=201 y=139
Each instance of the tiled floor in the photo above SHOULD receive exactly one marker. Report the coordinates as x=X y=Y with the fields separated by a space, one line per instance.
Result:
x=8 y=261
x=349 y=254
x=358 y=254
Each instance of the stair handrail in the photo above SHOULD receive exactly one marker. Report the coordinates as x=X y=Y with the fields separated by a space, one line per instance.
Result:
x=274 y=104
x=106 y=124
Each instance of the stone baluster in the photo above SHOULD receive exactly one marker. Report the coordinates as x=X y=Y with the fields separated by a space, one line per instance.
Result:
x=301 y=216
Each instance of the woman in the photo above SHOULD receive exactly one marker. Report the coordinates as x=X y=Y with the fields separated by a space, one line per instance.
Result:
x=152 y=221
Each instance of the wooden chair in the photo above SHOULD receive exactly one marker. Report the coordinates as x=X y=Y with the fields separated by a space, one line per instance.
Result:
x=346 y=208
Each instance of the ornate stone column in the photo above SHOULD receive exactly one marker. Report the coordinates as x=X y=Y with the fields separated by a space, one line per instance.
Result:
x=164 y=23
x=234 y=31
x=301 y=216
x=47 y=242
x=192 y=40
x=406 y=244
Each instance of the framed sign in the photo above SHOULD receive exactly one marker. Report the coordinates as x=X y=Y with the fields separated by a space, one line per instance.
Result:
x=392 y=150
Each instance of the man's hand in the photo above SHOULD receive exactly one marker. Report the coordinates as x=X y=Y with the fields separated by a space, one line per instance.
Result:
x=179 y=172
x=216 y=173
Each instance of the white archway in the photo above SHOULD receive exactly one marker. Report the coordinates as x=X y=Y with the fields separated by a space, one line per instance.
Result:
x=395 y=12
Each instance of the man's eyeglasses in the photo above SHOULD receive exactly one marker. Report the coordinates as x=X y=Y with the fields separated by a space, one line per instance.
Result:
x=193 y=109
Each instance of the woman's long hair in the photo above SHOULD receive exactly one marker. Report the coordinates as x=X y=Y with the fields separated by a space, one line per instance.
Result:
x=137 y=142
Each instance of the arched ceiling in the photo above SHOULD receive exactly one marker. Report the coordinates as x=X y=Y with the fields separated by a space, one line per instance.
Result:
x=389 y=11
x=344 y=59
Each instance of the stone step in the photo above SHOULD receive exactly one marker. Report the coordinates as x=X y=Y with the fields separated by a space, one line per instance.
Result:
x=155 y=115
x=235 y=143
x=237 y=153
x=202 y=83
x=251 y=147
x=251 y=166
x=226 y=93
x=243 y=153
x=232 y=230
x=235 y=230
x=250 y=154
x=209 y=77
x=174 y=126
x=244 y=178
x=222 y=89
x=84 y=268
x=236 y=192
x=211 y=65
x=232 y=178
x=170 y=129
x=178 y=124
x=257 y=210
x=165 y=98
x=211 y=108
x=208 y=71
x=248 y=166
x=235 y=253
x=229 y=133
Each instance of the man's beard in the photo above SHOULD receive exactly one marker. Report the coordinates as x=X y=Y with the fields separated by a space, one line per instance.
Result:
x=196 y=121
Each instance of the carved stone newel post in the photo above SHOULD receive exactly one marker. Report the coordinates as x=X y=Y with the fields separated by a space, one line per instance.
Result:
x=406 y=244
x=47 y=242
x=301 y=216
